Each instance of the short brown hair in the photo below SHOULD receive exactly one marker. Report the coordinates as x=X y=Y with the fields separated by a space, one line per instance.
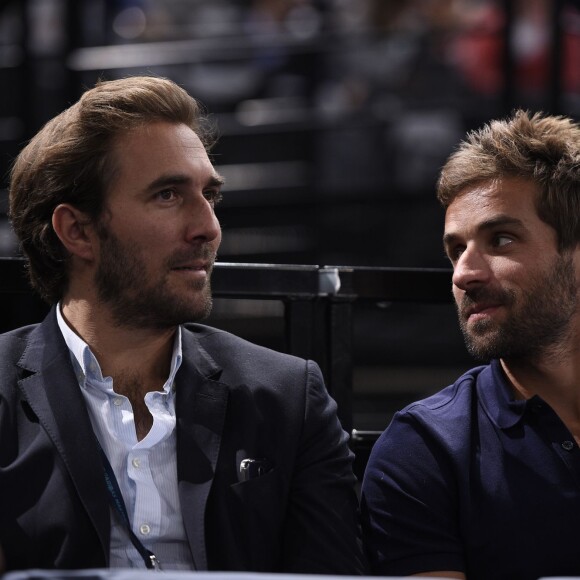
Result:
x=70 y=161
x=543 y=149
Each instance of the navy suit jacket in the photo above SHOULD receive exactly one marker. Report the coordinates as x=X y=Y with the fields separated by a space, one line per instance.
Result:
x=235 y=400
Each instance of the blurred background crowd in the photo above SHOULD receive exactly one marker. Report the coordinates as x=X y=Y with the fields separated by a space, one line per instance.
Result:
x=334 y=117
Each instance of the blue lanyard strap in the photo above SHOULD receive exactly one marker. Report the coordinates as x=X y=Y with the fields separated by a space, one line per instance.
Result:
x=116 y=499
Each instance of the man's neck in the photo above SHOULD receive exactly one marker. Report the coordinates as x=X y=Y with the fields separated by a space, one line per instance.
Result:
x=556 y=379
x=129 y=355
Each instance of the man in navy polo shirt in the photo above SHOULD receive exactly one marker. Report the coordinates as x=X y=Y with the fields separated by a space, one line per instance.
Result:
x=482 y=480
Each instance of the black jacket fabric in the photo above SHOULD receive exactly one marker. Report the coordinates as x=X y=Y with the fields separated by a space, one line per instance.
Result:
x=235 y=400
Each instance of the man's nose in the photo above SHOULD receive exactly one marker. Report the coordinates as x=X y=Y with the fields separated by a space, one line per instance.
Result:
x=203 y=223
x=471 y=269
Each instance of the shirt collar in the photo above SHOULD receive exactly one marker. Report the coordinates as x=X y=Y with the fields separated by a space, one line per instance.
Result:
x=87 y=367
x=497 y=397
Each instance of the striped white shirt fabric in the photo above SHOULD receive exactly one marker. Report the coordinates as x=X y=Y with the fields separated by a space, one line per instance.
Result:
x=146 y=470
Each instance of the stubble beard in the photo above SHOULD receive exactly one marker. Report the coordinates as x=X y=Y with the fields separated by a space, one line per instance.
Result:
x=134 y=301
x=537 y=322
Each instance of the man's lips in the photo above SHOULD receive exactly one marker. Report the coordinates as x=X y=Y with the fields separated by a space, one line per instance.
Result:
x=478 y=311
x=480 y=303
x=478 y=308
x=194 y=266
x=199 y=263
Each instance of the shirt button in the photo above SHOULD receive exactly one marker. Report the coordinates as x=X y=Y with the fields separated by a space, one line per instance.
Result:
x=568 y=445
x=145 y=529
x=118 y=401
x=136 y=463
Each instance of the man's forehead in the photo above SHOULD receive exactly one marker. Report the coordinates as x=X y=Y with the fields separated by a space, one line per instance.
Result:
x=507 y=195
x=159 y=147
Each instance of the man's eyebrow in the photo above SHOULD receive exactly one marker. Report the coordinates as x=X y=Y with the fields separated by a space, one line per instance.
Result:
x=489 y=224
x=215 y=180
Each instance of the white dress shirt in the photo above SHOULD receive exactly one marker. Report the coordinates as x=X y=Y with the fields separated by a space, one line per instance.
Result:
x=146 y=470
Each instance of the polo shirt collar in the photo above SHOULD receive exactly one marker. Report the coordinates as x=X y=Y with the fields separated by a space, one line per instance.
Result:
x=496 y=396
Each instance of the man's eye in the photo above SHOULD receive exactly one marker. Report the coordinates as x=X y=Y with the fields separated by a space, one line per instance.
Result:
x=214 y=196
x=455 y=253
x=166 y=195
x=502 y=240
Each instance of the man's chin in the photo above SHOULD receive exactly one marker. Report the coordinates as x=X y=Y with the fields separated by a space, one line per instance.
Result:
x=192 y=310
x=162 y=312
x=483 y=344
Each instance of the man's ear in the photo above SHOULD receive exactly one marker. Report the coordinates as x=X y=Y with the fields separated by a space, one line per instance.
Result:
x=75 y=230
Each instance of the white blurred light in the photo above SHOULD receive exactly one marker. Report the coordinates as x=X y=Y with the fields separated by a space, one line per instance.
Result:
x=130 y=23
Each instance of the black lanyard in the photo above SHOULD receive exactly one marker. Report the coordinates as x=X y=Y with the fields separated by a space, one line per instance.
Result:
x=118 y=504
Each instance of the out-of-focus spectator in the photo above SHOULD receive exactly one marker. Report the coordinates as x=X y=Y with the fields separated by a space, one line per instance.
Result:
x=477 y=47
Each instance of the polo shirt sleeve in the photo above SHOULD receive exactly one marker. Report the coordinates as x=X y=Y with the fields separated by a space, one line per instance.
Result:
x=409 y=502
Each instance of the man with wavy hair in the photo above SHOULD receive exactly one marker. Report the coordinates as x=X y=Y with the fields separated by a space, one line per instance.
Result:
x=130 y=435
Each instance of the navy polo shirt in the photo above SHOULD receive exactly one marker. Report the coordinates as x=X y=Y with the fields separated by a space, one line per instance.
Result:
x=472 y=480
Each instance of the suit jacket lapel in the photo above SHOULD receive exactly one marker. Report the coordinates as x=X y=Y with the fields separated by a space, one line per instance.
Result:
x=200 y=408
x=52 y=391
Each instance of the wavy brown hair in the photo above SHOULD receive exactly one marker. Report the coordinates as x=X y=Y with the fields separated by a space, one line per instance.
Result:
x=70 y=161
x=543 y=149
